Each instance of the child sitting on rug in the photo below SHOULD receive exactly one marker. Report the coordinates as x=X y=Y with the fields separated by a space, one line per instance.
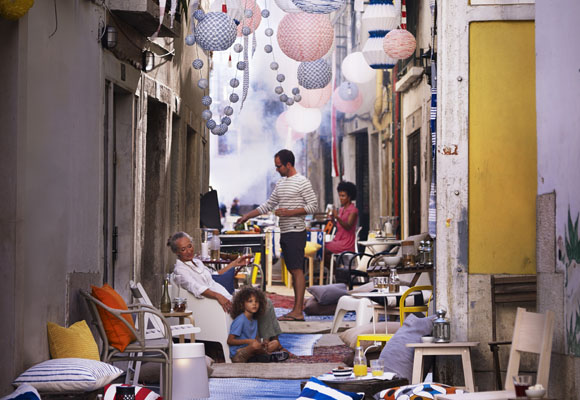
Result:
x=245 y=345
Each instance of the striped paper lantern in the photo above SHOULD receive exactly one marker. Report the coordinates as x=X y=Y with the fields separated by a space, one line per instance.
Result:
x=379 y=18
x=287 y=6
x=315 y=98
x=375 y=55
x=318 y=6
x=399 y=44
x=305 y=37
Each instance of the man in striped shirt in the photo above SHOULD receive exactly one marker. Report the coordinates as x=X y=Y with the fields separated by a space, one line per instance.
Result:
x=291 y=200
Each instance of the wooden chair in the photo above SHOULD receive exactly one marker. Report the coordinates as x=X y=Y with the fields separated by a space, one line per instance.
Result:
x=533 y=333
x=157 y=350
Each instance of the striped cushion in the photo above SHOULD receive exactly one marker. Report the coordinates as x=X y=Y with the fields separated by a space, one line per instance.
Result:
x=69 y=375
x=24 y=392
x=315 y=389
x=141 y=393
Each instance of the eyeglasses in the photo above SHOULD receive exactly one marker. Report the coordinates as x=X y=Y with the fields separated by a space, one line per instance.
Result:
x=278 y=166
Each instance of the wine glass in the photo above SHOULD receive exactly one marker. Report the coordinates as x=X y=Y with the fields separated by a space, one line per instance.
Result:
x=248 y=252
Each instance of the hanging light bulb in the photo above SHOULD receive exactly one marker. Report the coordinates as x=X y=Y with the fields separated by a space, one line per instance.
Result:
x=230 y=61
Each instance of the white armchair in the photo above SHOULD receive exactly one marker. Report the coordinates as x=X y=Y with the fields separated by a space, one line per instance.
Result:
x=209 y=316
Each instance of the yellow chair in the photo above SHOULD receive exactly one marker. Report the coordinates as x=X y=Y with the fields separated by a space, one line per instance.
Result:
x=309 y=252
x=403 y=311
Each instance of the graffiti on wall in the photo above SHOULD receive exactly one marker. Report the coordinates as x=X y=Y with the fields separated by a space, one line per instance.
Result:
x=569 y=256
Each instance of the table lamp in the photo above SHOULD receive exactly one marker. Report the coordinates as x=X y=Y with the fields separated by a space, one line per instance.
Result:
x=190 y=379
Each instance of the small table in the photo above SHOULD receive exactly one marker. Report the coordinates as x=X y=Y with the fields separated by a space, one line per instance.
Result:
x=369 y=386
x=384 y=295
x=181 y=315
x=444 y=349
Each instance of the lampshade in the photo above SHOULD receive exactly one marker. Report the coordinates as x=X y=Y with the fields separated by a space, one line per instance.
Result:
x=302 y=119
x=399 y=44
x=315 y=98
x=189 y=371
x=252 y=22
x=380 y=15
x=233 y=7
x=346 y=106
x=305 y=37
x=319 y=6
x=287 y=6
x=356 y=69
x=314 y=74
x=375 y=55
x=215 y=32
x=348 y=91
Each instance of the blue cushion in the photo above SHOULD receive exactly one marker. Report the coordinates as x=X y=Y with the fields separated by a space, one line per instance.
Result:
x=316 y=389
x=226 y=280
x=24 y=392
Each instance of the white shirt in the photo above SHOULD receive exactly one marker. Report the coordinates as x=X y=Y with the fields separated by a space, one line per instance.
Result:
x=196 y=278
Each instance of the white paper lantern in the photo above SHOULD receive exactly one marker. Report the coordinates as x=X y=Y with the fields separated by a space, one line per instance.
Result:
x=314 y=74
x=399 y=44
x=319 y=6
x=315 y=98
x=215 y=32
x=287 y=6
x=375 y=55
x=305 y=37
x=348 y=91
x=234 y=9
x=356 y=69
x=284 y=130
x=302 y=119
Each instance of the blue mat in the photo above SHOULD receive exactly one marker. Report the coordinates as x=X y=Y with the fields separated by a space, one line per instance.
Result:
x=255 y=389
x=299 y=344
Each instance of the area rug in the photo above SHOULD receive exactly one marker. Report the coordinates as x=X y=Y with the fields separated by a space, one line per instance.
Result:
x=323 y=354
x=255 y=389
x=299 y=344
x=283 y=370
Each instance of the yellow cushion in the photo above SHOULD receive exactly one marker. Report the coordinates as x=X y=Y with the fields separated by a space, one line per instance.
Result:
x=75 y=341
x=311 y=249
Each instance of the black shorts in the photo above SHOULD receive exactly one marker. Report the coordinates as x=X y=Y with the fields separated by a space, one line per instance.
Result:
x=292 y=244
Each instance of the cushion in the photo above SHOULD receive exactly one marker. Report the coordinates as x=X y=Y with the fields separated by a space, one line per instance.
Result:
x=75 y=341
x=328 y=294
x=419 y=391
x=398 y=357
x=313 y=307
x=316 y=389
x=141 y=392
x=118 y=333
x=349 y=336
x=24 y=392
x=226 y=279
x=69 y=375
x=311 y=248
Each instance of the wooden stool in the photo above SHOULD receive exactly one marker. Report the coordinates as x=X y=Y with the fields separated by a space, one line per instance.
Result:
x=444 y=349
x=374 y=337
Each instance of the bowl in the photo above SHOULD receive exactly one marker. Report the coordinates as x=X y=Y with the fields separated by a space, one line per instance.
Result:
x=342 y=372
x=535 y=393
x=427 y=339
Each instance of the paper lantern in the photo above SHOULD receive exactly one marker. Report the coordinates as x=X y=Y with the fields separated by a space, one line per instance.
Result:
x=252 y=22
x=302 y=119
x=315 y=98
x=381 y=15
x=356 y=69
x=399 y=44
x=375 y=55
x=215 y=32
x=348 y=91
x=305 y=37
x=318 y=6
x=314 y=74
x=346 y=106
x=287 y=6
x=283 y=129
x=233 y=7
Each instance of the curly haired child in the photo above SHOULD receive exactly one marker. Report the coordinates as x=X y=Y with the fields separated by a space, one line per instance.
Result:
x=245 y=345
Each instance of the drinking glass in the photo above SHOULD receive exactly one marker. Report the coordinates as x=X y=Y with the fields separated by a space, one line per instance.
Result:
x=521 y=384
x=377 y=367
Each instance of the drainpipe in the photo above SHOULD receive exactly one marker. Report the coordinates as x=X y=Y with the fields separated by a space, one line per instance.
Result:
x=397 y=150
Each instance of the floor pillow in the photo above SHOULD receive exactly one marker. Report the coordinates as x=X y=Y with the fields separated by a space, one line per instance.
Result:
x=316 y=389
x=327 y=294
x=313 y=307
x=420 y=391
x=76 y=341
x=141 y=393
x=23 y=392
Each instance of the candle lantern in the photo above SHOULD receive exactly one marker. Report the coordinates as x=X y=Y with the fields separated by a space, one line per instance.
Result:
x=441 y=328
x=189 y=371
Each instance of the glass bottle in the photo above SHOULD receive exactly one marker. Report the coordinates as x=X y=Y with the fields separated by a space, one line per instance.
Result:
x=360 y=362
x=165 y=305
x=394 y=281
x=421 y=253
x=214 y=246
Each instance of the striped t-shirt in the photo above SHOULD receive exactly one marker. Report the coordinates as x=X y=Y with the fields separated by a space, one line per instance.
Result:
x=292 y=193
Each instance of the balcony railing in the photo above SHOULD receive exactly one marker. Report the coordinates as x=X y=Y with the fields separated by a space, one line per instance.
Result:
x=143 y=15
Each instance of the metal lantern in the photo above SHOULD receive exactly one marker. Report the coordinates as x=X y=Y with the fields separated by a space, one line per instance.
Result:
x=441 y=328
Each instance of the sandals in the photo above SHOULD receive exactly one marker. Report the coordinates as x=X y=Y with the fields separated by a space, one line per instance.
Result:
x=289 y=317
x=278 y=356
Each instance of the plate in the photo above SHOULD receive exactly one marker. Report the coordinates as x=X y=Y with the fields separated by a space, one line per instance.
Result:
x=329 y=377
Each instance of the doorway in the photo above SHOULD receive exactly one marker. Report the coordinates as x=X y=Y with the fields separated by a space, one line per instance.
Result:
x=362 y=181
x=414 y=182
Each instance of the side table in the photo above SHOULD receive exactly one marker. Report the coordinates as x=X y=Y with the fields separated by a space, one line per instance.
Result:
x=181 y=315
x=444 y=349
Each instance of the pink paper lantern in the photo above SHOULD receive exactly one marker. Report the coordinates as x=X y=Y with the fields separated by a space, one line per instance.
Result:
x=305 y=37
x=399 y=44
x=254 y=21
x=315 y=98
x=346 y=106
x=282 y=128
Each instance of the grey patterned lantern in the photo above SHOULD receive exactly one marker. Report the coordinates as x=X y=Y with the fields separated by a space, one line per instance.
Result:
x=215 y=32
x=441 y=328
x=314 y=74
x=318 y=6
